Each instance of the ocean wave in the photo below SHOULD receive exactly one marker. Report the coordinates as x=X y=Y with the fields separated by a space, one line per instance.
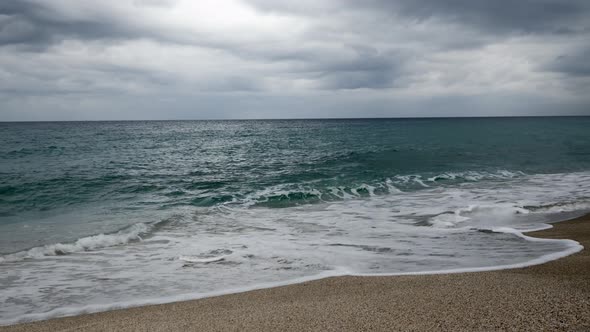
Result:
x=560 y=207
x=298 y=194
x=48 y=194
x=502 y=211
x=128 y=234
x=24 y=152
x=461 y=216
x=473 y=176
x=287 y=196
x=135 y=232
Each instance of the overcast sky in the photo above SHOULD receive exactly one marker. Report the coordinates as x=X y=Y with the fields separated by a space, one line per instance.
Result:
x=194 y=59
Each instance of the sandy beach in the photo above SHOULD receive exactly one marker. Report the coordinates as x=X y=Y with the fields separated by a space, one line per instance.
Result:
x=548 y=297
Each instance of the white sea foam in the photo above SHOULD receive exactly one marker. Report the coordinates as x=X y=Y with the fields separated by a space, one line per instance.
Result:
x=572 y=248
x=563 y=207
x=73 y=311
x=235 y=247
x=193 y=259
x=93 y=242
x=388 y=186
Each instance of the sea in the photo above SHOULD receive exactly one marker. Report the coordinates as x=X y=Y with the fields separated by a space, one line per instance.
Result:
x=104 y=215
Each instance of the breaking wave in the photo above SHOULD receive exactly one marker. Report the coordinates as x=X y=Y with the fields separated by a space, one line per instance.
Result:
x=133 y=233
x=290 y=195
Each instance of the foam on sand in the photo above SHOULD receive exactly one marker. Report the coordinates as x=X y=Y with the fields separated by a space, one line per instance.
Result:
x=572 y=248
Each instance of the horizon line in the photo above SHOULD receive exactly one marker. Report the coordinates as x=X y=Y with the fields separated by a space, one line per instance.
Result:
x=305 y=119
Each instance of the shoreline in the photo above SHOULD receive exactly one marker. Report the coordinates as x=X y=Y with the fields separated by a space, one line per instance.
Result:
x=552 y=295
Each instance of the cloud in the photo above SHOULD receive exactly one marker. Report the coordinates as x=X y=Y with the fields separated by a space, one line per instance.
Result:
x=267 y=54
x=38 y=24
x=500 y=16
x=575 y=63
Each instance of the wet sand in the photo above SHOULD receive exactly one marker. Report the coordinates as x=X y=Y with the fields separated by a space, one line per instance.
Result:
x=554 y=296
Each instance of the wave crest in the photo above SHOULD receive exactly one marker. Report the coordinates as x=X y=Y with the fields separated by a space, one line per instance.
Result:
x=129 y=234
x=292 y=195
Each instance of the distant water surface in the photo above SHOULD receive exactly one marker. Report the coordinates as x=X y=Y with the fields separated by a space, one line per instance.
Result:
x=96 y=214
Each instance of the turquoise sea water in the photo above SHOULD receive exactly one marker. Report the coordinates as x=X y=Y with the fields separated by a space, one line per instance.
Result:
x=97 y=213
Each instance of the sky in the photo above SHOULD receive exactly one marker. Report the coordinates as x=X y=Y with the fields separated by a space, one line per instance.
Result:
x=222 y=59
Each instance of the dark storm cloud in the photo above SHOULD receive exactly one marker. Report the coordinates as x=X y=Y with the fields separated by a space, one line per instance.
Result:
x=341 y=67
x=528 y=16
x=35 y=24
x=480 y=23
x=39 y=24
x=576 y=63
x=497 y=16
x=366 y=68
